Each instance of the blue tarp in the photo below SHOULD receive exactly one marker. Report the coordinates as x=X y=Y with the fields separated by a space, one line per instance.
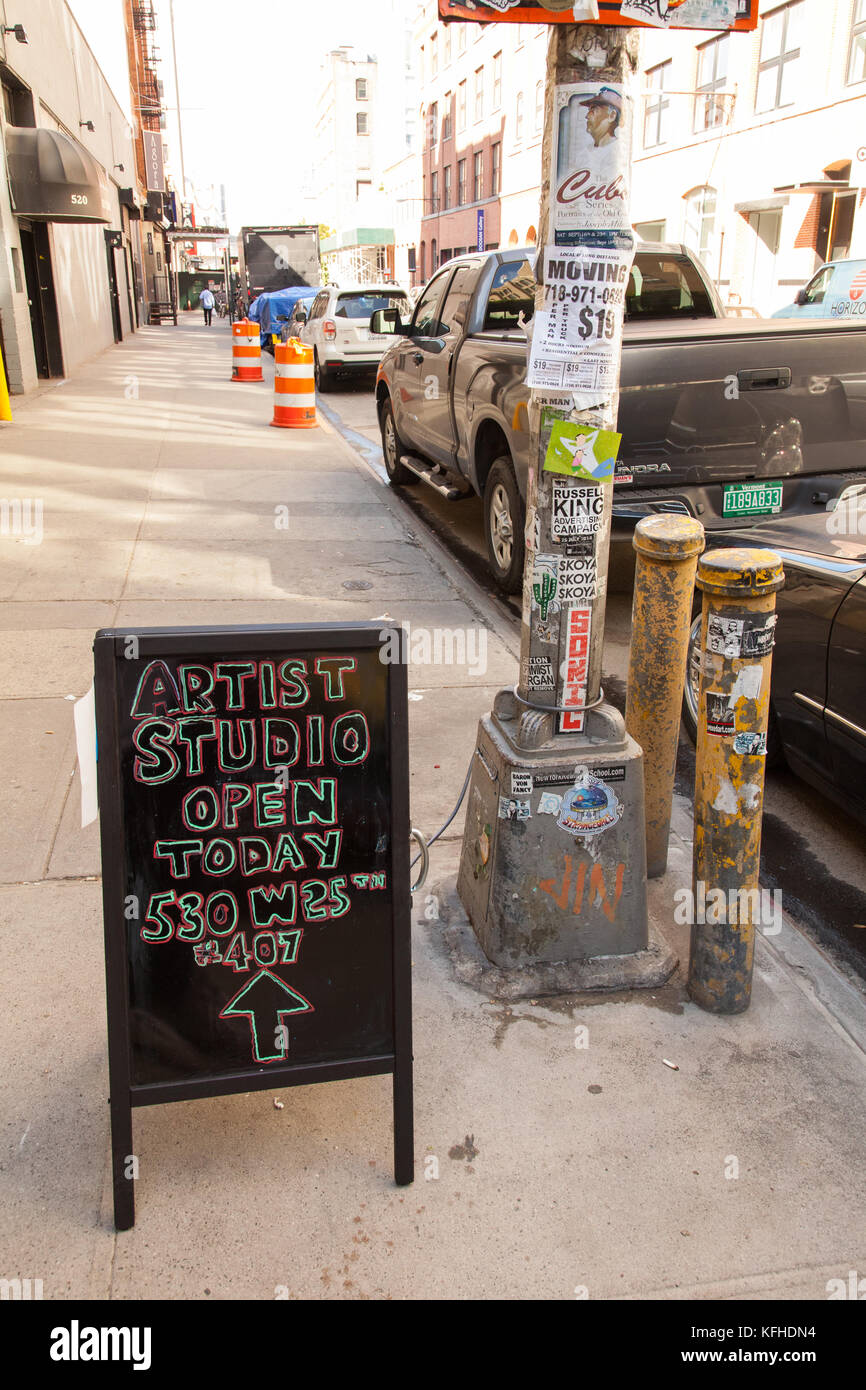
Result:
x=274 y=309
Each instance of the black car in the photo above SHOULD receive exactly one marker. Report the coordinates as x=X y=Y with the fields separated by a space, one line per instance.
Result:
x=818 y=692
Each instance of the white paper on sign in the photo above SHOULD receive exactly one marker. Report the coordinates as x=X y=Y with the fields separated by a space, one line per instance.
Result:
x=691 y=14
x=84 y=714
x=586 y=9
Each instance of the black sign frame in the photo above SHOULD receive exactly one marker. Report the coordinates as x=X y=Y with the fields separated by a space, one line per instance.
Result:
x=111 y=648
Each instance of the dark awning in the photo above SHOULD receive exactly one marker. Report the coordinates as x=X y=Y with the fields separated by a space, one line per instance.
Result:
x=54 y=179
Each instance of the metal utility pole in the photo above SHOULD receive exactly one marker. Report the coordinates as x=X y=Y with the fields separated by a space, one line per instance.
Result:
x=553 y=866
x=553 y=869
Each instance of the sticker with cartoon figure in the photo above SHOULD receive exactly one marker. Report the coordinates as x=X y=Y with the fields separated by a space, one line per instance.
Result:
x=513 y=808
x=578 y=451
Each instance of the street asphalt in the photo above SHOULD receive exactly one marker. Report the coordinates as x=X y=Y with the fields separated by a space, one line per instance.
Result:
x=610 y=1147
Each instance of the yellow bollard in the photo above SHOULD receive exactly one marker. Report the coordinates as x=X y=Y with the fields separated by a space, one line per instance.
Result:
x=737 y=631
x=667 y=555
x=5 y=408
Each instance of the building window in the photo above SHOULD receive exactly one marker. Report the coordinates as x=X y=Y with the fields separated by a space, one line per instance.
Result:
x=657 y=104
x=446 y=119
x=434 y=193
x=446 y=188
x=780 y=53
x=461 y=37
x=434 y=56
x=433 y=124
x=446 y=44
x=434 y=261
x=361 y=125
x=478 y=177
x=495 y=168
x=360 y=89
x=518 y=117
x=857 y=56
x=700 y=221
x=461 y=106
x=362 y=186
x=539 y=104
x=479 y=93
x=712 y=76
x=497 y=80
x=461 y=182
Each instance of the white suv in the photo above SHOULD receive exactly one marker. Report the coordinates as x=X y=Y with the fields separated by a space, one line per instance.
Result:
x=338 y=329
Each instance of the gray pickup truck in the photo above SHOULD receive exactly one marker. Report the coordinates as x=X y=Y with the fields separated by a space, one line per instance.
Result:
x=723 y=419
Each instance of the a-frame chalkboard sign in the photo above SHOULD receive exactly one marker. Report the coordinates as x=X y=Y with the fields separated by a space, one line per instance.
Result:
x=254 y=808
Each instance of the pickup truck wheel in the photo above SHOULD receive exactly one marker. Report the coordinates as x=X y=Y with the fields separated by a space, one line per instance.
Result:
x=393 y=447
x=504 y=525
x=775 y=754
x=322 y=377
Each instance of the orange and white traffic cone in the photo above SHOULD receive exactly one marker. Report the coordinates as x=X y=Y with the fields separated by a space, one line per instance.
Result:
x=294 y=386
x=246 y=351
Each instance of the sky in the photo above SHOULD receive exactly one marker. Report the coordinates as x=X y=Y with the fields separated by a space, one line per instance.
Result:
x=248 y=72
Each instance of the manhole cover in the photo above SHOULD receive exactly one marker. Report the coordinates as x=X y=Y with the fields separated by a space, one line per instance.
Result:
x=357 y=584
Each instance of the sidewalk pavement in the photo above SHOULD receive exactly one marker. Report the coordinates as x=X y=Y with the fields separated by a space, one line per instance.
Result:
x=545 y=1168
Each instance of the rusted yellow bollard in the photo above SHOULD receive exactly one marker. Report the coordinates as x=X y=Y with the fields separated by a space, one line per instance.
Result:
x=667 y=555
x=737 y=631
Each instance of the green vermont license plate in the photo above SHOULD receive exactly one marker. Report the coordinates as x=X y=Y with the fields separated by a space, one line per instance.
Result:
x=745 y=499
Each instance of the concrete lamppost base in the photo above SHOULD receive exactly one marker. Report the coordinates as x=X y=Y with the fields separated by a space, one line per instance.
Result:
x=553 y=868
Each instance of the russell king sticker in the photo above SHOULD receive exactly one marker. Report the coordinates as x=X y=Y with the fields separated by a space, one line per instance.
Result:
x=577 y=509
x=510 y=808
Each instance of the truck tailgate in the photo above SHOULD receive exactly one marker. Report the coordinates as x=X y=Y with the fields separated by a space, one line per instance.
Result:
x=716 y=402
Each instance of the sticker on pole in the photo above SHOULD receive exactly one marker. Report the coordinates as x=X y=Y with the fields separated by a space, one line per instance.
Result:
x=587 y=808
x=576 y=669
x=578 y=451
x=577 y=510
x=720 y=716
x=577 y=335
x=591 y=166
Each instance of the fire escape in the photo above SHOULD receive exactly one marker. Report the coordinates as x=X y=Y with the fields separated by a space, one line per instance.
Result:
x=149 y=92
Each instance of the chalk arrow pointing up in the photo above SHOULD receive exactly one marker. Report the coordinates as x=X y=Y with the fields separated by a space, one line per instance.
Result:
x=266 y=1000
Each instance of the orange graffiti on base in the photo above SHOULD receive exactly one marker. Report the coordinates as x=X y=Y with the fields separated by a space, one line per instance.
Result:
x=597 y=888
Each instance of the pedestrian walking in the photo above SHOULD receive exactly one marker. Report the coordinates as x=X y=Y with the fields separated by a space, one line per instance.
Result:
x=206 y=300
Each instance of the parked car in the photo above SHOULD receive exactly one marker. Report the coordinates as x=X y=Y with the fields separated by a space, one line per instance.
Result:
x=338 y=329
x=836 y=291
x=818 y=689
x=723 y=419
